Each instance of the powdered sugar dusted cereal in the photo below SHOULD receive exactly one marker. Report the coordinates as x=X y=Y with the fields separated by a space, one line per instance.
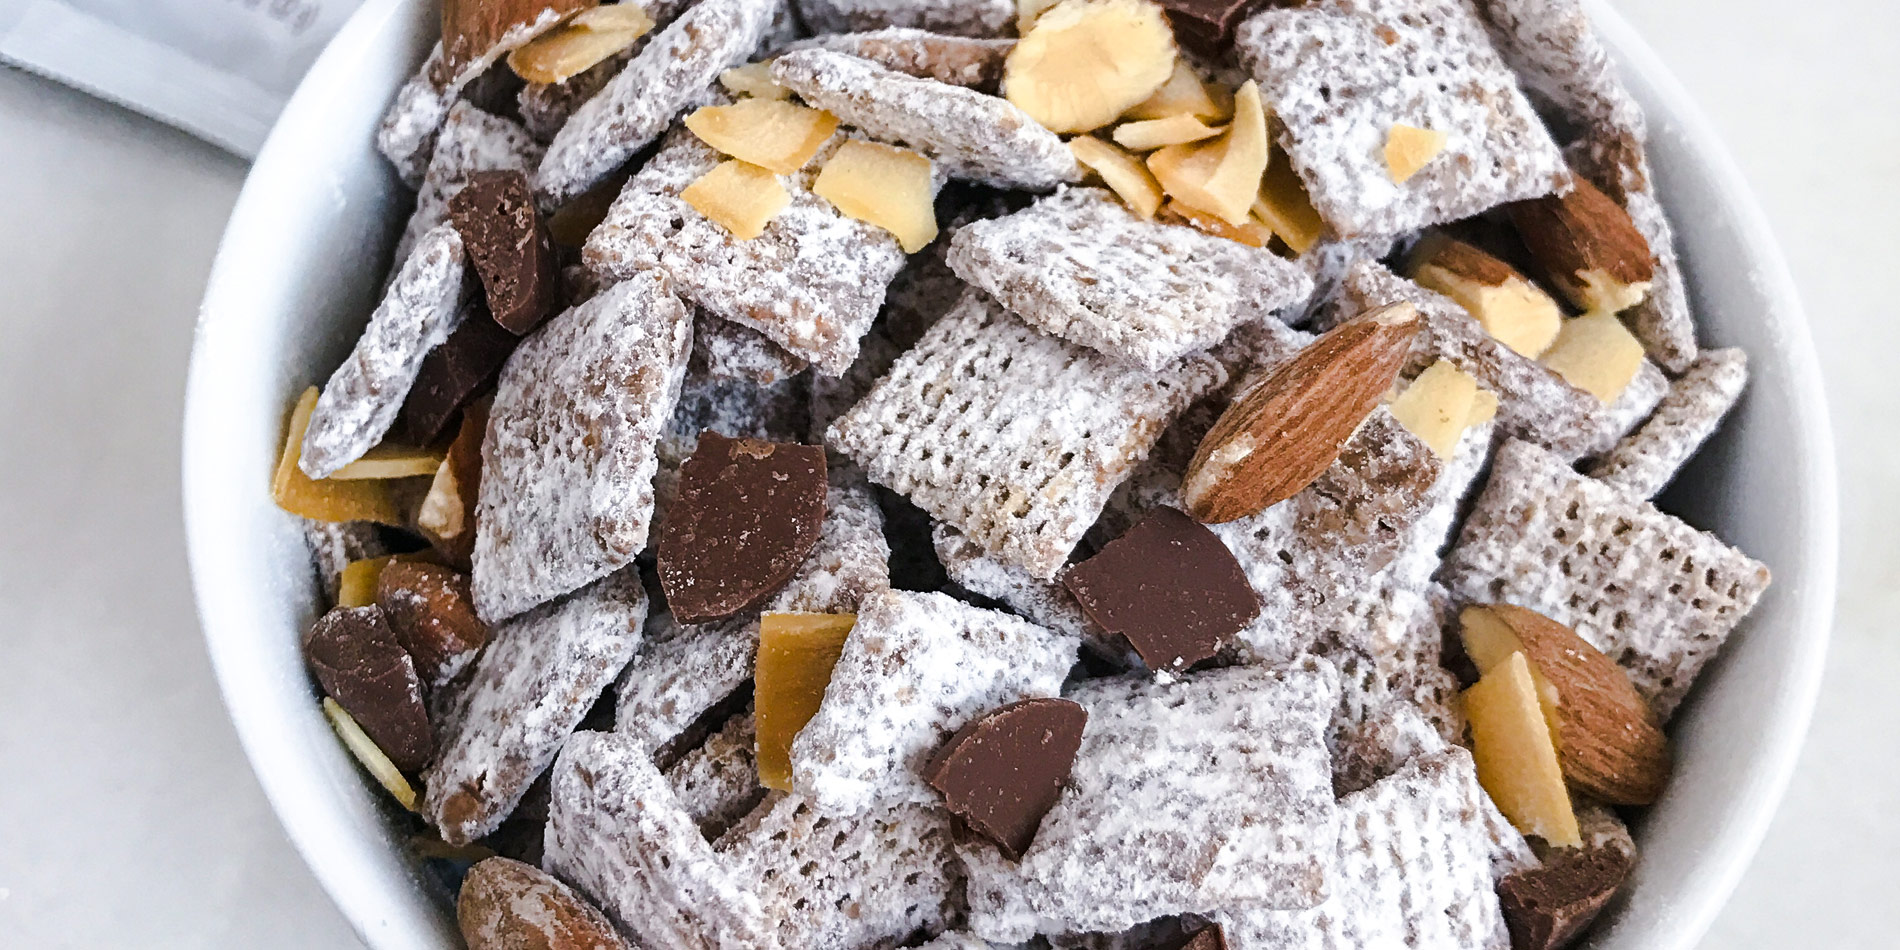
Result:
x=956 y=17
x=1645 y=461
x=973 y=62
x=718 y=782
x=470 y=141
x=730 y=350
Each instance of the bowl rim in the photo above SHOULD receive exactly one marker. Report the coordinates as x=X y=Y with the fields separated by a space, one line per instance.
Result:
x=383 y=911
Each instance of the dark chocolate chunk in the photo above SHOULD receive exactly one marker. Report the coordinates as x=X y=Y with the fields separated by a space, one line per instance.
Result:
x=453 y=373
x=359 y=662
x=1207 y=26
x=1004 y=770
x=747 y=513
x=1549 y=907
x=509 y=245
x=428 y=607
x=1170 y=587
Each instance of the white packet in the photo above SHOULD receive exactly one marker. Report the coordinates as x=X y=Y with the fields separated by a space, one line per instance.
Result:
x=219 y=69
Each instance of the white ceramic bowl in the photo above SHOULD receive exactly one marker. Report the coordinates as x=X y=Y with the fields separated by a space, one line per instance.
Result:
x=306 y=249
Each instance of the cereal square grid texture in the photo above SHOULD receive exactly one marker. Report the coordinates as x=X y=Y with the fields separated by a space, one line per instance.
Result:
x=1647 y=459
x=1534 y=403
x=1078 y=264
x=916 y=667
x=1010 y=436
x=1212 y=792
x=812 y=282
x=568 y=460
x=1046 y=603
x=1413 y=869
x=718 y=782
x=470 y=141
x=1342 y=73
x=1653 y=593
x=532 y=684
x=970 y=134
x=361 y=399
x=678 y=64
x=956 y=17
x=972 y=62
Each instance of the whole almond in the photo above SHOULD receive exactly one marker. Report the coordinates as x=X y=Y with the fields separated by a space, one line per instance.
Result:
x=429 y=608
x=1587 y=247
x=1281 y=435
x=507 y=905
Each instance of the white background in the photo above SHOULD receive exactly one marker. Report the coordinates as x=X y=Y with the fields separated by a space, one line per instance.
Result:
x=128 y=816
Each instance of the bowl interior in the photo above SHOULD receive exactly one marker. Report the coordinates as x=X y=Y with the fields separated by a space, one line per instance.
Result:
x=309 y=241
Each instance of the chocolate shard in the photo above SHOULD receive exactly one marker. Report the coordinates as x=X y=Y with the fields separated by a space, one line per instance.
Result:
x=1003 y=771
x=451 y=374
x=428 y=607
x=1207 y=26
x=510 y=248
x=747 y=513
x=1549 y=907
x=359 y=662
x=1170 y=587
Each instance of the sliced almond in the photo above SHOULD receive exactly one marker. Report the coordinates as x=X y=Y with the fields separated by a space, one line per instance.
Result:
x=1280 y=436
x=1509 y=307
x=447 y=515
x=793 y=667
x=1439 y=405
x=1123 y=173
x=1608 y=739
x=1184 y=94
x=1220 y=176
x=326 y=499
x=1587 y=247
x=1596 y=354
x=882 y=185
x=1154 y=133
x=771 y=133
x=356 y=585
x=393 y=461
x=1085 y=62
x=1028 y=11
x=584 y=42
x=1408 y=149
x=755 y=80
x=738 y=196
x=1515 y=754
x=1284 y=206
x=1251 y=233
x=369 y=755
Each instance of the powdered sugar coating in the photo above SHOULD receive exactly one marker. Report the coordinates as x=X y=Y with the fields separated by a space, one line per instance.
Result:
x=723 y=348
x=812 y=282
x=971 y=62
x=547 y=106
x=1663 y=321
x=1342 y=73
x=1212 y=792
x=568 y=460
x=406 y=136
x=470 y=141
x=718 y=782
x=361 y=399
x=1412 y=869
x=1080 y=265
x=956 y=17
x=634 y=107
x=536 y=679
x=970 y=134
x=334 y=544
x=1012 y=437
x=1046 y=603
x=1650 y=591
x=916 y=667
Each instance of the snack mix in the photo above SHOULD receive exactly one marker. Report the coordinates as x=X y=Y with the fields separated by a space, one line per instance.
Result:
x=846 y=474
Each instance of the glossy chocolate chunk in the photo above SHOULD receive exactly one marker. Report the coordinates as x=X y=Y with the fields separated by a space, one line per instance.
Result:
x=452 y=374
x=509 y=245
x=1207 y=26
x=747 y=513
x=360 y=664
x=1170 y=587
x=1002 y=772
x=1551 y=906
x=428 y=607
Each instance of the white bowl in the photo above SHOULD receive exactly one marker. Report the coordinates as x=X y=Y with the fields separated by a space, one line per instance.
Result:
x=305 y=252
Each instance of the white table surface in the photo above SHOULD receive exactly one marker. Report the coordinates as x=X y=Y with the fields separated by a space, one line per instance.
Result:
x=128 y=816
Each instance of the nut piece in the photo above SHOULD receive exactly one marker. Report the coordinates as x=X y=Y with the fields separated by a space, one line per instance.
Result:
x=393 y=461
x=369 y=755
x=447 y=516
x=1123 y=173
x=1184 y=94
x=1085 y=62
x=796 y=654
x=738 y=196
x=1441 y=404
x=1154 y=133
x=356 y=583
x=508 y=905
x=1609 y=742
x=1222 y=176
x=581 y=44
x=1250 y=232
x=1280 y=436
x=325 y=499
x=1407 y=149
x=771 y=133
x=755 y=80
x=476 y=32
x=882 y=185
x=1283 y=205
x=1596 y=354
x=1509 y=307
x=1517 y=761
x=428 y=607
x=1587 y=247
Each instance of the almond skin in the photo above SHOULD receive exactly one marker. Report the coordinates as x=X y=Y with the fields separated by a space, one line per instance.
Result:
x=507 y=905
x=1587 y=247
x=1281 y=435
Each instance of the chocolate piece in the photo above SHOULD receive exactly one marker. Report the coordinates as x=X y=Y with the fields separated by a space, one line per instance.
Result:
x=510 y=247
x=452 y=373
x=748 y=512
x=428 y=607
x=1550 y=906
x=472 y=30
x=1207 y=26
x=1170 y=586
x=1210 y=937
x=360 y=664
x=1004 y=770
